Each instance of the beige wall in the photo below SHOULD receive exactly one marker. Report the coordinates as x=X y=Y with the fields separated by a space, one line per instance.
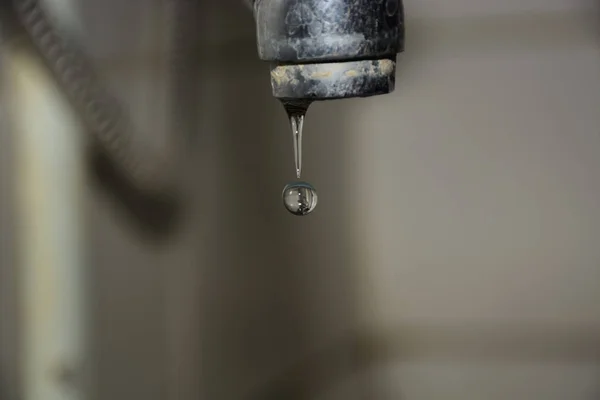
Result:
x=455 y=242
x=454 y=253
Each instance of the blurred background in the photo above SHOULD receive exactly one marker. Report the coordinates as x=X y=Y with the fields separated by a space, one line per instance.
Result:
x=454 y=254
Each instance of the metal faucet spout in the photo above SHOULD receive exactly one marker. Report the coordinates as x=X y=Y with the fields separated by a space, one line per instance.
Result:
x=330 y=49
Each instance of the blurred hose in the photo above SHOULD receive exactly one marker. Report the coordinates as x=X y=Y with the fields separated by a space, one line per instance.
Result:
x=100 y=111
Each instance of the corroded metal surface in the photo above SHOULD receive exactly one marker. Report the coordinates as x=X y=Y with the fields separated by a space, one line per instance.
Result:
x=333 y=80
x=328 y=30
x=330 y=49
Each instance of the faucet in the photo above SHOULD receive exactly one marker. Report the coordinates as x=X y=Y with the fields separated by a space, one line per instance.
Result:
x=329 y=49
x=317 y=49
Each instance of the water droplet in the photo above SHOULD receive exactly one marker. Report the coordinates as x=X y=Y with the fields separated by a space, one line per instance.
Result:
x=296 y=111
x=300 y=198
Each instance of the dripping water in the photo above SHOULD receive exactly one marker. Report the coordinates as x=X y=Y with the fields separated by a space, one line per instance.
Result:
x=296 y=111
x=299 y=198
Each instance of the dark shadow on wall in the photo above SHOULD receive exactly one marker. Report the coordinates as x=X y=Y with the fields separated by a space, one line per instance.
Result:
x=153 y=216
x=156 y=215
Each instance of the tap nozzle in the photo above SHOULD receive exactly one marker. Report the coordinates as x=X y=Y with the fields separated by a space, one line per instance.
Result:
x=330 y=49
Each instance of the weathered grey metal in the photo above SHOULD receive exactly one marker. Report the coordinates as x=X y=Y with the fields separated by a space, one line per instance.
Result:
x=304 y=31
x=329 y=81
x=318 y=33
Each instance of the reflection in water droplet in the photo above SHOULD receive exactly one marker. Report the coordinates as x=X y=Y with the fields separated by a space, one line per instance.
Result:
x=300 y=198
